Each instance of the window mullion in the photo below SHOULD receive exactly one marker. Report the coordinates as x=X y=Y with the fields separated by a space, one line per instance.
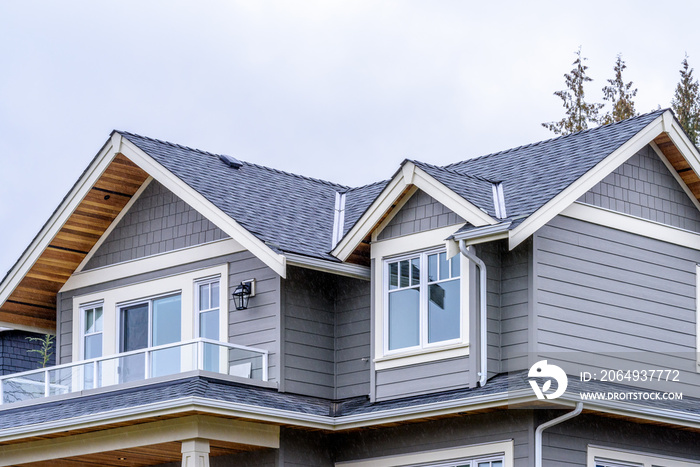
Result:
x=423 y=299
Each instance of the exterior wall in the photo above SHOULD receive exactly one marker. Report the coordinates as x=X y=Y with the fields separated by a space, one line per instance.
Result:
x=15 y=355
x=420 y=213
x=157 y=222
x=567 y=444
x=515 y=306
x=491 y=254
x=644 y=187
x=441 y=434
x=412 y=380
x=326 y=334
x=604 y=292
x=258 y=326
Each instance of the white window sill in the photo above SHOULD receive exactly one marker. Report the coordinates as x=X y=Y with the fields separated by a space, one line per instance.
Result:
x=418 y=356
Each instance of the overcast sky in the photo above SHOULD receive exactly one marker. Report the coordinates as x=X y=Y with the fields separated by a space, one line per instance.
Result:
x=342 y=91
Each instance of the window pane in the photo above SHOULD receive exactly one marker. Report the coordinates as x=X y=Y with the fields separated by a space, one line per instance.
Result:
x=393 y=275
x=444 y=267
x=204 y=297
x=89 y=321
x=209 y=325
x=405 y=274
x=415 y=271
x=404 y=320
x=455 y=265
x=134 y=327
x=443 y=311
x=166 y=320
x=93 y=346
x=432 y=268
x=215 y=295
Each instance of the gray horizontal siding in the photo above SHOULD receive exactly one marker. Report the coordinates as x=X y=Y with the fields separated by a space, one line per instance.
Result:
x=644 y=187
x=515 y=287
x=420 y=213
x=411 y=380
x=258 y=325
x=567 y=444
x=490 y=254
x=157 y=222
x=441 y=434
x=628 y=300
x=326 y=334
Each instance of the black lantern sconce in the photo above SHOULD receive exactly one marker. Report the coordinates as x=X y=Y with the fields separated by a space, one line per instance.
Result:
x=242 y=294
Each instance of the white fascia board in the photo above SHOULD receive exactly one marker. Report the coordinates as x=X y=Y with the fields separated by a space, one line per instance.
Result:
x=468 y=211
x=574 y=191
x=60 y=216
x=250 y=242
x=370 y=218
x=343 y=269
x=114 y=223
x=408 y=175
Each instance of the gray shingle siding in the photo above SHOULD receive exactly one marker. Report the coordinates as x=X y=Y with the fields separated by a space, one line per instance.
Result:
x=644 y=187
x=420 y=213
x=157 y=222
x=16 y=355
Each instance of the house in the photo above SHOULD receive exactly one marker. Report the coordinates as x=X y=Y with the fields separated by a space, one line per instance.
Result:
x=536 y=306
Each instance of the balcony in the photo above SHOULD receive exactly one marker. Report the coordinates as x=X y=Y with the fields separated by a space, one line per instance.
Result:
x=138 y=365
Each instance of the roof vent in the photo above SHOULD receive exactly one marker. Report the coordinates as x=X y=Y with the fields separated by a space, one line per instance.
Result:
x=230 y=161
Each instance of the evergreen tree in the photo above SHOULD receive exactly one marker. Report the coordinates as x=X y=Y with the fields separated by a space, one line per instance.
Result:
x=578 y=112
x=620 y=95
x=686 y=102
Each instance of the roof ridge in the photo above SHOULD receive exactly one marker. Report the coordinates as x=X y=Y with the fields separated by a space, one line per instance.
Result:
x=537 y=143
x=201 y=151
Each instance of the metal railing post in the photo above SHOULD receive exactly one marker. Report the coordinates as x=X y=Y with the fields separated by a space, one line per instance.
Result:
x=47 y=388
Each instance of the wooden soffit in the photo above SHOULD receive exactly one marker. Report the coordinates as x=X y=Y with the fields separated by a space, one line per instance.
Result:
x=679 y=163
x=33 y=302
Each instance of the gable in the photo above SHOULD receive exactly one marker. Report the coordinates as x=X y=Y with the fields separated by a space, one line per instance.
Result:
x=420 y=213
x=157 y=222
x=644 y=187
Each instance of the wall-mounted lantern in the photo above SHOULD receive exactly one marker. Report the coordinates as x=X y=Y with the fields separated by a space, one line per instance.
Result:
x=242 y=294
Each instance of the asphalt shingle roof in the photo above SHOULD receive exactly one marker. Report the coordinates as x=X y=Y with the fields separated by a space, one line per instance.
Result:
x=293 y=213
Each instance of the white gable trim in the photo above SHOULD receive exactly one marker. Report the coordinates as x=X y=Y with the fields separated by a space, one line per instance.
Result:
x=205 y=207
x=58 y=219
x=574 y=191
x=408 y=175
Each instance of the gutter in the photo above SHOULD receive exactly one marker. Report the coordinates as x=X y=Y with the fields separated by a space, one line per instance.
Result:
x=483 y=369
x=483 y=234
x=538 y=432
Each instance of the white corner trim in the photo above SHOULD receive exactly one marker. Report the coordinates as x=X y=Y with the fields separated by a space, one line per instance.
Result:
x=114 y=223
x=633 y=224
x=152 y=263
x=250 y=242
x=58 y=219
x=504 y=448
x=636 y=457
x=574 y=191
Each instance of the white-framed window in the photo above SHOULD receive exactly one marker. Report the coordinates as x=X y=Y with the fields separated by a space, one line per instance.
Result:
x=497 y=454
x=150 y=322
x=92 y=327
x=422 y=301
x=207 y=315
x=613 y=457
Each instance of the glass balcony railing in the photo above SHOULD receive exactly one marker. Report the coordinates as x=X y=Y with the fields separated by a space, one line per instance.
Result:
x=138 y=365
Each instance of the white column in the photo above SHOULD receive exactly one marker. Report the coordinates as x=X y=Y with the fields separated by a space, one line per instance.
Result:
x=195 y=453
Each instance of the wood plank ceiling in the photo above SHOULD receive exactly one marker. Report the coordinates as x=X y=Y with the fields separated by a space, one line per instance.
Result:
x=33 y=302
x=679 y=163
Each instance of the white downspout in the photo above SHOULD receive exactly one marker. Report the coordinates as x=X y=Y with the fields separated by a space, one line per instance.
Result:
x=544 y=426
x=483 y=370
